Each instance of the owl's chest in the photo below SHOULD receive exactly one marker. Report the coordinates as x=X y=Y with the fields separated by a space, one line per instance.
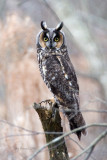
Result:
x=48 y=67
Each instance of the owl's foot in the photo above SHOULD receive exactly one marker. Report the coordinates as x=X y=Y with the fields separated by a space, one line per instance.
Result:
x=54 y=110
x=48 y=101
x=52 y=104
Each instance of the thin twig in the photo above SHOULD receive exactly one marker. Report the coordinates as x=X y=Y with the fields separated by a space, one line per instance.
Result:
x=94 y=110
x=89 y=153
x=101 y=100
x=27 y=130
x=80 y=146
x=13 y=125
x=16 y=135
x=76 y=143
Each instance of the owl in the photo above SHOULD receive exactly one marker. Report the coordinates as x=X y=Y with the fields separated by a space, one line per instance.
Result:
x=58 y=73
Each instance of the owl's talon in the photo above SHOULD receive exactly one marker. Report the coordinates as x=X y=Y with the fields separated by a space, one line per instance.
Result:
x=53 y=113
x=49 y=101
x=54 y=110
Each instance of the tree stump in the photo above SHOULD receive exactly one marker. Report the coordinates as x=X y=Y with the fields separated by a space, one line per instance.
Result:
x=57 y=150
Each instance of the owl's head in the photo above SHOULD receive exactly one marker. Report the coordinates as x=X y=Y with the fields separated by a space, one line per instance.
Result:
x=50 y=38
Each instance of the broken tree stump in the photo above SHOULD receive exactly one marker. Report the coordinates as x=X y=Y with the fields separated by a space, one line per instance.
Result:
x=58 y=149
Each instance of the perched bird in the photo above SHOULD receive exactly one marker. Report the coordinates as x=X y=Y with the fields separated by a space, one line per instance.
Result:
x=58 y=73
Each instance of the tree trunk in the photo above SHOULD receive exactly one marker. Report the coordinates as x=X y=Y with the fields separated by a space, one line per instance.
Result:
x=57 y=150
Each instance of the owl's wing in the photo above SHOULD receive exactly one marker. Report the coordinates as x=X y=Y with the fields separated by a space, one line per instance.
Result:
x=75 y=82
x=67 y=60
x=62 y=78
x=62 y=81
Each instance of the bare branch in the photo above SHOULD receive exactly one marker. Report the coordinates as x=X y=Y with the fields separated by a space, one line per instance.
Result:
x=80 y=146
x=16 y=135
x=101 y=100
x=13 y=125
x=27 y=130
x=89 y=153
x=94 y=110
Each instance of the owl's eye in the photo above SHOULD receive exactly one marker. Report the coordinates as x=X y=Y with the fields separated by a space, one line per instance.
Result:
x=45 y=39
x=56 y=39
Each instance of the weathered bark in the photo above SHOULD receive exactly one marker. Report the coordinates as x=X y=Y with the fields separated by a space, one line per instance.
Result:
x=57 y=150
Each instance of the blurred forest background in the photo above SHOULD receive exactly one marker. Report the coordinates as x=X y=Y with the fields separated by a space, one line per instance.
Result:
x=85 y=27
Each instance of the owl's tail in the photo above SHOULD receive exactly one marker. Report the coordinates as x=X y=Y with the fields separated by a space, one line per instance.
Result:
x=76 y=121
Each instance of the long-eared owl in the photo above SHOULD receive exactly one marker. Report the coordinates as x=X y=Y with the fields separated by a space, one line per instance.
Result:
x=58 y=73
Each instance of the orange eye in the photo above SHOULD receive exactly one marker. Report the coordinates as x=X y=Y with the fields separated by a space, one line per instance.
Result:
x=45 y=39
x=56 y=39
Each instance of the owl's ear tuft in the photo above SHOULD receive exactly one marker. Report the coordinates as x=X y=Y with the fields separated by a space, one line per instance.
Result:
x=43 y=25
x=59 y=26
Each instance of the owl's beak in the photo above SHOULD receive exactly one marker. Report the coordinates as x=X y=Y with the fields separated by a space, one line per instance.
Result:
x=50 y=45
x=50 y=48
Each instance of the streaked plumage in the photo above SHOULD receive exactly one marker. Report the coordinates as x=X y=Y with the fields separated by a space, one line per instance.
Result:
x=58 y=73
